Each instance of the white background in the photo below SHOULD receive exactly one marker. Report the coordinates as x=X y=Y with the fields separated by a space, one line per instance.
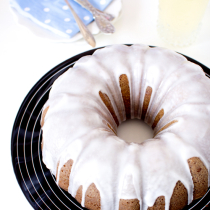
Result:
x=25 y=58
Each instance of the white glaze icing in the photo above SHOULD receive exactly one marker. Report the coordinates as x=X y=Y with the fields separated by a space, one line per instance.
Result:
x=75 y=126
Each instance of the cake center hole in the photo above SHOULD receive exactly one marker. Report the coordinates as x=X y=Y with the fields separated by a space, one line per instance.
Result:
x=134 y=131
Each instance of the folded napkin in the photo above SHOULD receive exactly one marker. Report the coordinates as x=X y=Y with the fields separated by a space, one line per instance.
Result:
x=55 y=15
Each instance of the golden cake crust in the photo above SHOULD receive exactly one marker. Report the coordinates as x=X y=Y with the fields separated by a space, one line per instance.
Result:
x=109 y=106
x=129 y=204
x=125 y=91
x=147 y=97
x=199 y=176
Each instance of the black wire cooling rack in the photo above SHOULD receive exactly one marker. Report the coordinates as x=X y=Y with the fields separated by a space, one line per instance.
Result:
x=36 y=181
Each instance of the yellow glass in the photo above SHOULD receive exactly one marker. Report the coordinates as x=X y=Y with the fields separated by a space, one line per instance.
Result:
x=179 y=20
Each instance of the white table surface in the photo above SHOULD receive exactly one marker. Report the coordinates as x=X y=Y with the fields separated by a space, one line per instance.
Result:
x=25 y=58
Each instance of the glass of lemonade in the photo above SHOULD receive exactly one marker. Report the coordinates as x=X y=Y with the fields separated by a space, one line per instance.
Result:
x=179 y=20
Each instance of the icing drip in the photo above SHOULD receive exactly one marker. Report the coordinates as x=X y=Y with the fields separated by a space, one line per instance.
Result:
x=76 y=124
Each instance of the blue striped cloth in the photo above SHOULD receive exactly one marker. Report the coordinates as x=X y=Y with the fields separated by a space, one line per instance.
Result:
x=55 y=15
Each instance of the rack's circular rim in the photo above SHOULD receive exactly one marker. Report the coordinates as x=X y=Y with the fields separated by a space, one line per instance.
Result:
x=33 y=94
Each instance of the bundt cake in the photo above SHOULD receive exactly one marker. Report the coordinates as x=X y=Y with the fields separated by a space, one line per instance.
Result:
x=86 y=104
